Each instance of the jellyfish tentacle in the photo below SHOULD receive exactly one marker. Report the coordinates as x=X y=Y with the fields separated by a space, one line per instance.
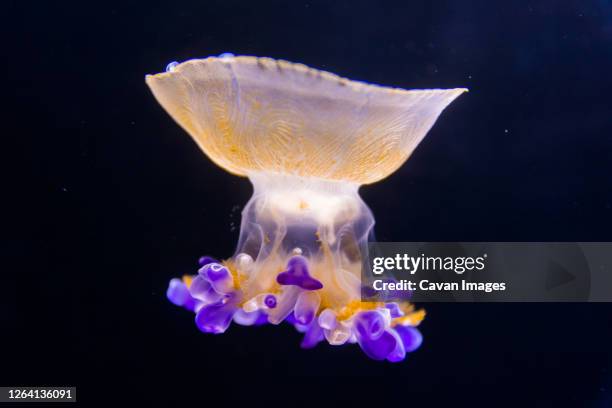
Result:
x=297 y=274
x=306 y=307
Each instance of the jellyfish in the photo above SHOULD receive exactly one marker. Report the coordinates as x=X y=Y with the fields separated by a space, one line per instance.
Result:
x=307 y=140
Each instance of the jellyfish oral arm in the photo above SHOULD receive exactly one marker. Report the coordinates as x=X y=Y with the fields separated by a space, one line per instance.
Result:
x=321 y=221
x=299 y=259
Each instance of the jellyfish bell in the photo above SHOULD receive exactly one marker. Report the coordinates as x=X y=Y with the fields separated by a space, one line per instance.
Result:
x=259 y=115
x=307 y=140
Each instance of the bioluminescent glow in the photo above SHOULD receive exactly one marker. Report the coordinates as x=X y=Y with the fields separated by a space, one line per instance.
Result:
x=307 y=140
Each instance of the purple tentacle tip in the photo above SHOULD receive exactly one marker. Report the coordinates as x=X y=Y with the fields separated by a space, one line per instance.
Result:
x=312 y=336
x=399 y=352
x=205 y=260
x=261 y=320
x=297 y=274
x=370 y=325
x=177 y=292
x=394 y=310
x=215 y=272
x=218 y=276
x=411 y=337
x=291 y=319
x=215 y=318
x=270 y=301
x=380 y=348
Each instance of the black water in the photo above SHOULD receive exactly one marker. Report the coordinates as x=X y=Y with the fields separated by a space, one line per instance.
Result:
x=114 y=199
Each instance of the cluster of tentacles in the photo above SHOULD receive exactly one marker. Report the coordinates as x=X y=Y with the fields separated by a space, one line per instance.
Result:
x=384 y=331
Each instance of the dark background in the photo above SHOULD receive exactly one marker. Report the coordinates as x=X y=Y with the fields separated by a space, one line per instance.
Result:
x=114 y=199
